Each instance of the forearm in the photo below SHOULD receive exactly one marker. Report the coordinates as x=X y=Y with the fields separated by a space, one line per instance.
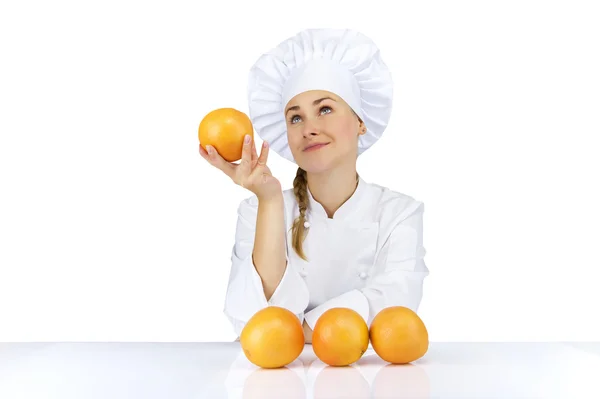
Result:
x=269 y=244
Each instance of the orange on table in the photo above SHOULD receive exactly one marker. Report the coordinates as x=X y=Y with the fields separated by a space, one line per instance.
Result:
x=273 y=337
x=340 y=337
x=224 y=129
x=398 y=335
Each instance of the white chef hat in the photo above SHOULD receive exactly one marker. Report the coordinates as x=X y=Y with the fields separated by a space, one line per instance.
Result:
x=342 y=61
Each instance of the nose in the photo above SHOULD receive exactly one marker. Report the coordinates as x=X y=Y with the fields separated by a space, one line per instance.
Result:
x=310 y=129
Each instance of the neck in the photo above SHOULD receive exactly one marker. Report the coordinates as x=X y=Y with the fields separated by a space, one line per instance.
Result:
x=334 y=187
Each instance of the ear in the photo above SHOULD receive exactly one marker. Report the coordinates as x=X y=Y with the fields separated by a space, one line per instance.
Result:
x=362 y=129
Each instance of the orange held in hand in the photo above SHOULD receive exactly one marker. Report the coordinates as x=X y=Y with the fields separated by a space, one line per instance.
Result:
x=398 y=335
x=340 y=337
x=272 y=338
x=224 y=129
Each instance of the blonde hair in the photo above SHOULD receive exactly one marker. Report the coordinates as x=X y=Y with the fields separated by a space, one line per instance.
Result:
x=298 y=229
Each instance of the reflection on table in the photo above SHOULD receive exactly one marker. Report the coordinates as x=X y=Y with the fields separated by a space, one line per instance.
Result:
x=220 y=370
x=309 y=377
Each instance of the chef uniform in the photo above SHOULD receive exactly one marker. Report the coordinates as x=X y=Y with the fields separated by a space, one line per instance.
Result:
x=370 y=254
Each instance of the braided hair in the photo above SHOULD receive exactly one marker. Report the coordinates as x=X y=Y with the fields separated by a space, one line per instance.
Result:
x=298 y=229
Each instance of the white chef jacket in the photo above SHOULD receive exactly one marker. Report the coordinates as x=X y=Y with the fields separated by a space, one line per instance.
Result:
x=367 y=257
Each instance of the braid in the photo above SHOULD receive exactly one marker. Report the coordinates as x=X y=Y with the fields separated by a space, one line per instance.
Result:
x=298 y=229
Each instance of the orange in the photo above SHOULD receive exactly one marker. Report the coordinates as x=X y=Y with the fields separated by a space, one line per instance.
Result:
x=272 y=338
x=398 y=335
x=340 y=337
x=224 y=129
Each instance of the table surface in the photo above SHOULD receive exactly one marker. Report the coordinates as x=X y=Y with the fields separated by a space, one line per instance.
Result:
x=220 y=370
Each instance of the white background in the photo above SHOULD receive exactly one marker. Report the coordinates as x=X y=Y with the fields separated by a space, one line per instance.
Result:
x=113 y=228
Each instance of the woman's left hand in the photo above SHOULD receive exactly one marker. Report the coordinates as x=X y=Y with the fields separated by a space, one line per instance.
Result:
x=307 y=333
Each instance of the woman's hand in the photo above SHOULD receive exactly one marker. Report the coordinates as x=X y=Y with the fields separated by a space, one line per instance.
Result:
x=251 y=173
x=307 y=333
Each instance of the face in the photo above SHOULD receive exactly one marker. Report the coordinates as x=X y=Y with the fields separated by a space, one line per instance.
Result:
x=323 y=119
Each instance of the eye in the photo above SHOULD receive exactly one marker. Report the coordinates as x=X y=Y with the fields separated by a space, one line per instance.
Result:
x=325 y=107
x=293 y=117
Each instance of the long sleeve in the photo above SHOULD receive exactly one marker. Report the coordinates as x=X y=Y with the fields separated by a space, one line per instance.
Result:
x=397 y=276
x=245 y=295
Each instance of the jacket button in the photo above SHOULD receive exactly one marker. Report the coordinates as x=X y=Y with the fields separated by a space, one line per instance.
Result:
x=303 y=273
x=363 y=275
x=306 y=224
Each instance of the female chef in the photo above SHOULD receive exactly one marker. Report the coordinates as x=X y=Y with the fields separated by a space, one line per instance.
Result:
x=320 y=99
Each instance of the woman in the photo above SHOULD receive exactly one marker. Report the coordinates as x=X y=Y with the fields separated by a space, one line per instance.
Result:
x=320 y=99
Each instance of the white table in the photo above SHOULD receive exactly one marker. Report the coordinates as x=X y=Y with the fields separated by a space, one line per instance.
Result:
x=220 y=370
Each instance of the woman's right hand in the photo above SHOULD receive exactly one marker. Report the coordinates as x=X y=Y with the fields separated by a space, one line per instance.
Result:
x=251 y=173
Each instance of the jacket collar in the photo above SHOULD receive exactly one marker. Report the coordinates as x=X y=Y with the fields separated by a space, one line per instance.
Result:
x=316 y=210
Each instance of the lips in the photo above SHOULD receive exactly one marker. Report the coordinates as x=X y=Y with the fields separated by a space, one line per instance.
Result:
x=315 y=146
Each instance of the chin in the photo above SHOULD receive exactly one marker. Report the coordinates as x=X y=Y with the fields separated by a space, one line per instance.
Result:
x=316 y=165
x=319 y=163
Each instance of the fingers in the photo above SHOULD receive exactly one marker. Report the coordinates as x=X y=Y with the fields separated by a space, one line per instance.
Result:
x=216 y=160
x=264 y=154
x=246 y=156
x=254 y=154
x=203 y=152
